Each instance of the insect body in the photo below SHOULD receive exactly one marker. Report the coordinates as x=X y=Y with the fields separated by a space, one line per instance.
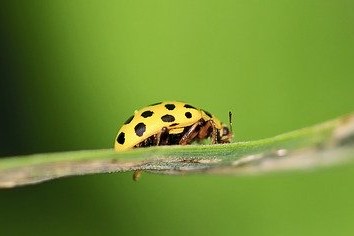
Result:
x=170 y=123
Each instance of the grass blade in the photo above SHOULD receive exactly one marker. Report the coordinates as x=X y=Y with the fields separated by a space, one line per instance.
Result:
x=324 y=144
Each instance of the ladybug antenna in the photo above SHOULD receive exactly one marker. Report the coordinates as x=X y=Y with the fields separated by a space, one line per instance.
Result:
x=230 y=120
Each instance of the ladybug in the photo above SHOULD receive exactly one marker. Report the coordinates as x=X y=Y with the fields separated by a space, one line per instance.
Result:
x=170 y=123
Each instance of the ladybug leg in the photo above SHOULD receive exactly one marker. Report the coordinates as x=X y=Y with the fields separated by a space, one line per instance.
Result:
x=161 y=135
x=214 y=134
x=208 y=129
x=160 y=140
x=190 y=134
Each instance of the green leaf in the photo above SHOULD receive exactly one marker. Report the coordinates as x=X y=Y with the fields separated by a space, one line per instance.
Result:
x=324 y=144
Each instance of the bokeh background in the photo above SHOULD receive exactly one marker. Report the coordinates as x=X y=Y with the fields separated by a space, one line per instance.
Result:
x=73 y=71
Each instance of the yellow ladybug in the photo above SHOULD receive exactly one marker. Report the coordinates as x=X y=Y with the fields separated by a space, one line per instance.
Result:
x=170 y=123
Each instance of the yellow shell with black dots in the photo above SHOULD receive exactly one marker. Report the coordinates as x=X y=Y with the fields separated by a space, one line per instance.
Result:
x=172 y=116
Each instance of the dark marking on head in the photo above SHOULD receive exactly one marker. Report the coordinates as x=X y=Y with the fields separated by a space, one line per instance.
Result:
x=170 y=106
x=121 y=138
x=168 y=118
x=129 y=120
x=225 y=131
x=140 y=129
x=154 y=104
x=188 y=114
x=147 y=114
x=208 y=114
x=174 y=124
x=189 y=106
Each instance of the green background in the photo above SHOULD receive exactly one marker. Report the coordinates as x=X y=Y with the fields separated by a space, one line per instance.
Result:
x=73 y=71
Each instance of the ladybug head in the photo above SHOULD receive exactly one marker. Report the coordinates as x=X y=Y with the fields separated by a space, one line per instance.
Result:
x=226 y=133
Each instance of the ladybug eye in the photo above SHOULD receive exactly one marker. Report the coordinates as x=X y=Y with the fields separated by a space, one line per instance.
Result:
x=225 y=131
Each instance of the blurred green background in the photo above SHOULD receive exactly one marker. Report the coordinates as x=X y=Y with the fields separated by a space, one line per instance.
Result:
x=73 y=71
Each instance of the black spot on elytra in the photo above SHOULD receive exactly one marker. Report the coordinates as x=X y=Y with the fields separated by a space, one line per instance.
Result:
x=208 y=113
x=121 y=138
x=154 y=104
x=147 y=114
x=129 y=120
x=188 y=114
x=189 y=106
x=168 y=118
x=170 y=106
x=140 y=129
x=174 y=124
